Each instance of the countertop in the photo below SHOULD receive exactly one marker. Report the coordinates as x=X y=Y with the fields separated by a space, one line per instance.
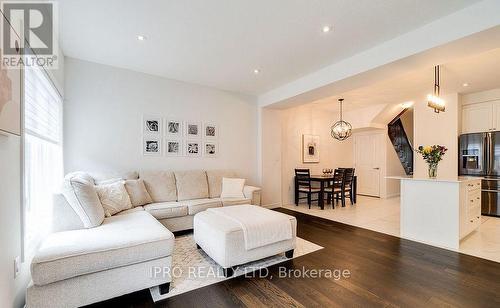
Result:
x=458 y=179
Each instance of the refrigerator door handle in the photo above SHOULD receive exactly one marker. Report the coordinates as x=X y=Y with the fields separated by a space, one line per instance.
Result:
x=490 y=190
x=487 y=153
x=491 y=154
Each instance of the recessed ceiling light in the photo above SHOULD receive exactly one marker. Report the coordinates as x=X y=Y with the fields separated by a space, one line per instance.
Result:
x=141 y=37
x=326 y=29
x=256 y=71
x=465 y=84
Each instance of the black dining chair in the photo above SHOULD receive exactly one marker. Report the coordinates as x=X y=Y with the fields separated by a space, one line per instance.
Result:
x=335 y=186
x=347 y=185
x=303 y=185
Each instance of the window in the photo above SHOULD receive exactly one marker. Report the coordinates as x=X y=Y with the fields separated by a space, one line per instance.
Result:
x=43 y=160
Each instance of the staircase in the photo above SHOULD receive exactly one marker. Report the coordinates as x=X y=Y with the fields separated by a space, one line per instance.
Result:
x=401 y=144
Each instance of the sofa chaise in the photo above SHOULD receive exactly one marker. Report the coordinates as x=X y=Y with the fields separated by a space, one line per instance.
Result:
x=78 y=265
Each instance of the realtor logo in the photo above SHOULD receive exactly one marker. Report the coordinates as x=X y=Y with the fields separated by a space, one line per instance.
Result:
x=36 y=22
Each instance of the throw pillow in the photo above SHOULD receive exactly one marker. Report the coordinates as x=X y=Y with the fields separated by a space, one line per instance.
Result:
x=101 y=178
x=114 y=198
x=214 y=178
x=80 y=193
x=160 y=185
x=232 y=188
x=137 y=192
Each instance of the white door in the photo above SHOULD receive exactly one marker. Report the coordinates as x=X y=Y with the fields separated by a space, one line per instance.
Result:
x=366 y=161
x=477 y=118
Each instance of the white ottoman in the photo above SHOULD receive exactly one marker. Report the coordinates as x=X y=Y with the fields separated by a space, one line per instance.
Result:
x=223 y=240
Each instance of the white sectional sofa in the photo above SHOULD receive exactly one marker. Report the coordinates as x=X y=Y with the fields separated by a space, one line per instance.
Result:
x=79 y=264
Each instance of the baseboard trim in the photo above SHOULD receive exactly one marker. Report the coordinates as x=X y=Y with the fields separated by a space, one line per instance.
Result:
x=392 y=196
x=272 y=205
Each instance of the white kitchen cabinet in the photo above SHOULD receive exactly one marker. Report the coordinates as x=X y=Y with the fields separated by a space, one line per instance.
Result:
x=439 y=212
x=496 y=115
x=481 y=117
x=470 y=207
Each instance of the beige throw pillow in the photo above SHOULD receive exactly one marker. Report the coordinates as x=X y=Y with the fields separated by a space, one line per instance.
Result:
x=160 y=185
x=114 y=198
x=137 y=192
x=232 y=188
x=191 y=185
x=81 y=194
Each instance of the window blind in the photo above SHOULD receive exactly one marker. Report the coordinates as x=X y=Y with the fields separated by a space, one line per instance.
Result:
x=43 y=107
x=43 y=160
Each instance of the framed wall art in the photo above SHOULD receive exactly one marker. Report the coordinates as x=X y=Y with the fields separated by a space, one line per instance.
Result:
x=210 y=149
x=193 y=148
x=210 y=131
x=151 y=125
x=10 y=99
x=173 y=147
x=173 y=128
x=151 y=146
x=193 y=130
x=310 y=148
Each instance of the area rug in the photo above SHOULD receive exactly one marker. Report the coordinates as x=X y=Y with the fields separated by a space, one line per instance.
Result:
x=194 y=269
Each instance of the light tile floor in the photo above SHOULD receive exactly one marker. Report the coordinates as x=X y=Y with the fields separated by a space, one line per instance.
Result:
x=382 y=215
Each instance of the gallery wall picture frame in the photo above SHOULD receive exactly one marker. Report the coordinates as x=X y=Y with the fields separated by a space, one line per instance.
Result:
x=192 y=130
x=174 y=147
x=151 y=146
x=210 y=149
x=152 y=125
x=210 y=131
x=174 y=128
x=310 y=148
x=193 y=148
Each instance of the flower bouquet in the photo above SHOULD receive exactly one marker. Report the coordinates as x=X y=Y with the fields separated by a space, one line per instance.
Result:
x=432 y=155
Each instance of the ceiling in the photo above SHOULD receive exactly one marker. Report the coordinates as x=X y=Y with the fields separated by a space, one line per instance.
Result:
x=481 y=72
x=219 y=43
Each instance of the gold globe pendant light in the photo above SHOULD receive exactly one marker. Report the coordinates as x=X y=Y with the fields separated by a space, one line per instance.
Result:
x=341 y=130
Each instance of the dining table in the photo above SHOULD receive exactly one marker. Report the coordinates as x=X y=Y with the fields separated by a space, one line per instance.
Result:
x=323 y=180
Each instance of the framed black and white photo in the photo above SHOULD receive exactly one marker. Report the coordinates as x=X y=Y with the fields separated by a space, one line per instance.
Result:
x=210 y=149
x=210 y=131
x=173 y=147
x=173 y=128
x=193 y=130
x=151 y=125
x=151 y=146
x=193 y=148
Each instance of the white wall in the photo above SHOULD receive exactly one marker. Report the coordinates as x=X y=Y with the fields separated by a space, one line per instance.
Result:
x=441 y=129
x=11 y=290
x=271 y=156
x=308 y=119
x=104 y=107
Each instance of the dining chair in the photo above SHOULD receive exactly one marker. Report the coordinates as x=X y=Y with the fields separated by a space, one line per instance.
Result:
x=303 y=185
x=347 y=185
x=335 y=186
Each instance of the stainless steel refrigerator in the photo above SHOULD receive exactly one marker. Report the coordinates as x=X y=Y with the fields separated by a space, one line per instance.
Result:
x=479 y=155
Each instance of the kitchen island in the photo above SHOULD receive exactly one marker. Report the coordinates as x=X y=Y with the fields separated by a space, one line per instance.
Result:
x=439 y=212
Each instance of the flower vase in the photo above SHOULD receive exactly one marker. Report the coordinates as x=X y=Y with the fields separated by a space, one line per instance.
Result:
x=433 y=168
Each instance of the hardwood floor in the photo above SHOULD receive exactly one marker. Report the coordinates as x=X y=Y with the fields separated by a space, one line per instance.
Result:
x=385 y=271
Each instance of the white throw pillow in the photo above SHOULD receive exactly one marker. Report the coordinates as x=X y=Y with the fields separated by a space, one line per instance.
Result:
x=80 y=193
x=114 y=198
x=232 y=188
